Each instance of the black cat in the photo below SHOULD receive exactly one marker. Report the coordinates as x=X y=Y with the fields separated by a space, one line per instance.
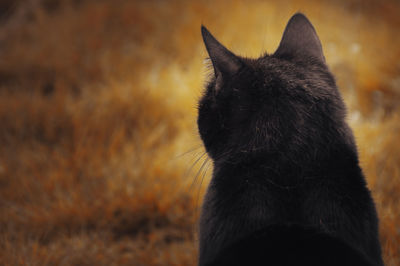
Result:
x=287 y=188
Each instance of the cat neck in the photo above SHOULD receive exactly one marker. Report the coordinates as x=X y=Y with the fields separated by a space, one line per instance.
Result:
x=340 y=158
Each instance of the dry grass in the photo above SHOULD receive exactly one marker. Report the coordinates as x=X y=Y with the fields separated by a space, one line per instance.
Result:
x=98 y=106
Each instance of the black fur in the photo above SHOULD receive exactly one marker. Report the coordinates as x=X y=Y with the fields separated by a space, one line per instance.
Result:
x=290 y=246
x=285 y=161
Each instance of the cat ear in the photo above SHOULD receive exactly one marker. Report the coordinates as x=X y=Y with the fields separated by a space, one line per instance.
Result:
x=300 y=37
x=225 y=63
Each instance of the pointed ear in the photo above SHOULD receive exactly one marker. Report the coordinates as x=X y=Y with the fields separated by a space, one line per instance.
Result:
x=225 y=63
x=301 y=38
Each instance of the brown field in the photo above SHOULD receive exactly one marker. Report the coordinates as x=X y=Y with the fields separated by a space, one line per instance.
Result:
x=100 y=160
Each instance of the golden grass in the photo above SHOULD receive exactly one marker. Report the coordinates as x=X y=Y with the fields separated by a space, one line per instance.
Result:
x=98 y=109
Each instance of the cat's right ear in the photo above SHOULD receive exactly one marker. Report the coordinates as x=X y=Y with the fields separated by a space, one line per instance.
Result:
x=300 y=37
x=225 y=63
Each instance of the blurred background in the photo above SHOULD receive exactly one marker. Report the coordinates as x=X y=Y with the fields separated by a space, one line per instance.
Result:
x=100 y=159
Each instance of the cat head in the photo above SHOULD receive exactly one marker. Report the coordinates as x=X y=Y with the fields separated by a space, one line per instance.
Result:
x=278 y=103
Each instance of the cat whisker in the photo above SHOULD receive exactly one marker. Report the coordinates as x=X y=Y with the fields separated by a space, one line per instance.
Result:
x=189 y=170
x=187 y=152
x=198 y=172
x=202 y=179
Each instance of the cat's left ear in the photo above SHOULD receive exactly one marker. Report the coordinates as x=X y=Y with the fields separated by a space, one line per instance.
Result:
x=300 y=38
x=225 y=63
